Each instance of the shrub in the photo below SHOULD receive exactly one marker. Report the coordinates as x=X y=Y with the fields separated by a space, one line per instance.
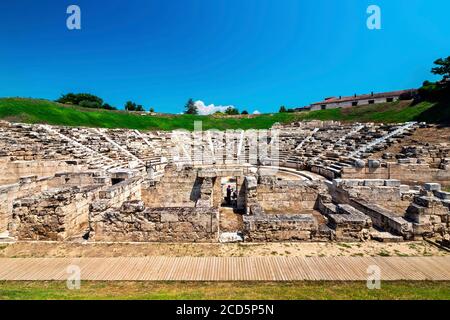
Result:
x=232 y=111
x=90 y=104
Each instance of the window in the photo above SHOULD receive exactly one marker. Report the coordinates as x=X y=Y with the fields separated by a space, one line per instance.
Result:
x=371 y=101
x=389 y=99
x=323 y=107
x=354 y=103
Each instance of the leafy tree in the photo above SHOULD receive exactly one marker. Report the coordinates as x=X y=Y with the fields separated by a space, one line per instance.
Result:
x=76 y=99
x=190 y=107
x=232 y=111
x=107 y=106
x=283 y=109
x=244 y=112
x=152 y=110
x=443 y=67
x=85 y=100
x=130 y=106
x=140 y=108
x=90 y=104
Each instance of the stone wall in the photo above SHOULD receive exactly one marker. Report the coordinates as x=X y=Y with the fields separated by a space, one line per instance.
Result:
x=80 y=179
x=176 y=189
x=26 y=186
x=260 y=227
x=430 y=212
x=288 y=197
x=115 y=195
x=385 y=219
x=406 y=173
x=13 y=171
x=133 y=222
x=386 y=193
x=56 y=214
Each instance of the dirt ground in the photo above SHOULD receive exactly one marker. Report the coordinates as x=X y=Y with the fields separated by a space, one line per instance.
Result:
x=367 y=249
x=229 y=220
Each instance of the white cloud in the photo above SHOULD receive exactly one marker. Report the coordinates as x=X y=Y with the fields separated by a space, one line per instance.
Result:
x=209 y=109
x=256 y=112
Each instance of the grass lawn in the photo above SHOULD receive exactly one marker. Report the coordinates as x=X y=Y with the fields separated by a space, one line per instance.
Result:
x=48 y=112
x=43 y=111
x=225 y=290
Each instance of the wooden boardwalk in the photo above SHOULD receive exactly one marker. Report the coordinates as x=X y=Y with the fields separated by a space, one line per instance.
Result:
x=226 y=269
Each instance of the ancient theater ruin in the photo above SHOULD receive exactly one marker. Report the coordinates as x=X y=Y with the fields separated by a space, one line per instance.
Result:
x=308 y=181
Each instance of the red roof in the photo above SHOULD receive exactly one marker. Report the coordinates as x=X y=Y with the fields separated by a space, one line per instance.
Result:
x=364 y=97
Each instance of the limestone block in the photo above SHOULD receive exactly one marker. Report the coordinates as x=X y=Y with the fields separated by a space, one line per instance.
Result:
x=374 y=164
x=132 y=206
x=404 y=188
x=360 y=163
x=169 y=217
x=392 y=183
x=373 y=183
x=432 y=187
x=442 y=195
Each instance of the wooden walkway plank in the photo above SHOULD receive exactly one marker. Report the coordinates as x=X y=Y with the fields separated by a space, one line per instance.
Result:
x=226 y=268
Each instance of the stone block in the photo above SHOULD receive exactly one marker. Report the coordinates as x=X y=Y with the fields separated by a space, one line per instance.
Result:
x=432 y=187
x=442 y=195
x=360 y=163
x=169 y=217
x=392 y=183
x=374 y=164
x=132 y=206
x=404 y=188
x=374 y=183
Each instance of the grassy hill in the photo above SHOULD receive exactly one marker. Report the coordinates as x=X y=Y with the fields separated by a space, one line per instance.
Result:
x=48 y=112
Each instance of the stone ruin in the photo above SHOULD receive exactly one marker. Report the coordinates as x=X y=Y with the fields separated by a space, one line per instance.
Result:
x=311 y=181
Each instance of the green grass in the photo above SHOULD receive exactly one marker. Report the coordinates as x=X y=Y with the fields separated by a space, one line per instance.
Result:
x=225 y=290
x=400 y=111
x=44 y=111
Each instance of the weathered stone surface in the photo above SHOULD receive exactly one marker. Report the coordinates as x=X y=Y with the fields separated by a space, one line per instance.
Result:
x=432 y=187
x=157 y=224
x=149 y=186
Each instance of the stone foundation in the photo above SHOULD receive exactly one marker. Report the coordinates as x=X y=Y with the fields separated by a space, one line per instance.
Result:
x=133 y=222
x=260 y=227
x=54 y=215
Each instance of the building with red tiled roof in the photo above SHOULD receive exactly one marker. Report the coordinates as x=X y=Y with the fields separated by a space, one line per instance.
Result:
x=360 y=100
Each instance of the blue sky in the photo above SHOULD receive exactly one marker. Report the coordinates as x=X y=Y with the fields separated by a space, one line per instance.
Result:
x=253 y=54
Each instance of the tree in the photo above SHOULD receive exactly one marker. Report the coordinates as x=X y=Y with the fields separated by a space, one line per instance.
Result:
x=283 y=109
x=231 y=111
x=244 y=112
x=107 y=106
x=140 y=108
x=443 y=67
x=152 y=110
x=90 y=104
x=86 y=100
x=130 y=106
x=190 y=107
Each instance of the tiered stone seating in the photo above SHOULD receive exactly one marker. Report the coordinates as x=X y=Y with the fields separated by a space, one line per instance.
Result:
x=323 y=147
